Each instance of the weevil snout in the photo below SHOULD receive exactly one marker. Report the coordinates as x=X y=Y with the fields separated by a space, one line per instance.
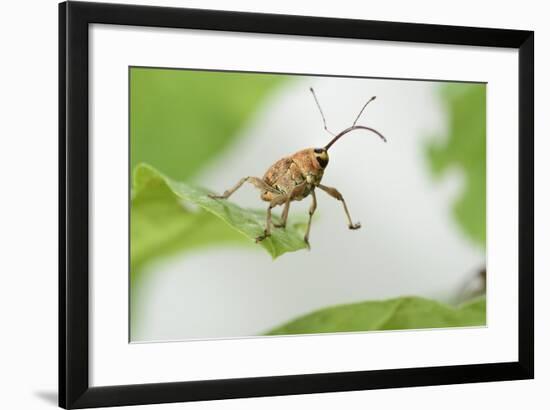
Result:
x=347 y=130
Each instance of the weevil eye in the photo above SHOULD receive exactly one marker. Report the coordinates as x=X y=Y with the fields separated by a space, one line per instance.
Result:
x=321 y=156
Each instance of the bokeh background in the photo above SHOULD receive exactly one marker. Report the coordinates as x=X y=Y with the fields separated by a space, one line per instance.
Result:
x=418 y=261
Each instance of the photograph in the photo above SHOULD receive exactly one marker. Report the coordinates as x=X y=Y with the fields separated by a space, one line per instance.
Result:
x=280 y=204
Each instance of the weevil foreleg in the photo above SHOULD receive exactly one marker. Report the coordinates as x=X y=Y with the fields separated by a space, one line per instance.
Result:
x=333 y=192
x=312 y=209
x=257 y=182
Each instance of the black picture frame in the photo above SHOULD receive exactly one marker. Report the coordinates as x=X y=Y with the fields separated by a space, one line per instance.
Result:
x=74 y=195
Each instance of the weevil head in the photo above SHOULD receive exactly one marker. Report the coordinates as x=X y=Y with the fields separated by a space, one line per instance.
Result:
x=321 y=155
x=309 y=162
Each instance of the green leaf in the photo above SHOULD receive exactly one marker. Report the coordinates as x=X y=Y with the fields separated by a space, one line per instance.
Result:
x=180 y=119
x=160 y=225
x=392 y=314
x=464 y=148
x=163 y=220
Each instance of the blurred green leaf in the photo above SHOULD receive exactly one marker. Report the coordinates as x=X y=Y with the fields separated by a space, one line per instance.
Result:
x=464 y=148
x=392 y=314
x=163 y=220
x=180 y=119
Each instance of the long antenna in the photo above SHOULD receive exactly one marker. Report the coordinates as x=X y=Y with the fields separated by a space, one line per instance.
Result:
x=363 y=109
x=353 y=127
x=321 y=111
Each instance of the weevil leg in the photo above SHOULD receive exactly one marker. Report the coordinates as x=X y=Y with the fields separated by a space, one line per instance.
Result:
x=257 y=182
x=284 y=215
x=312 y=209
x=267 y=230
x=288 y=198
x=333 y=192
x=278 y=200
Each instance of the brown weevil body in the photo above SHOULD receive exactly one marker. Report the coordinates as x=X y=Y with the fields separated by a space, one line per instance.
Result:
x=297 y=176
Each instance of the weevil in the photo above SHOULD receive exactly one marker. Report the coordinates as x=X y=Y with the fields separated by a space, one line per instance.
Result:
x=295 y=177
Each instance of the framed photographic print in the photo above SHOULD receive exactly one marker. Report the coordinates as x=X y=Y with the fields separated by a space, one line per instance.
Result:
x=256 y=204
